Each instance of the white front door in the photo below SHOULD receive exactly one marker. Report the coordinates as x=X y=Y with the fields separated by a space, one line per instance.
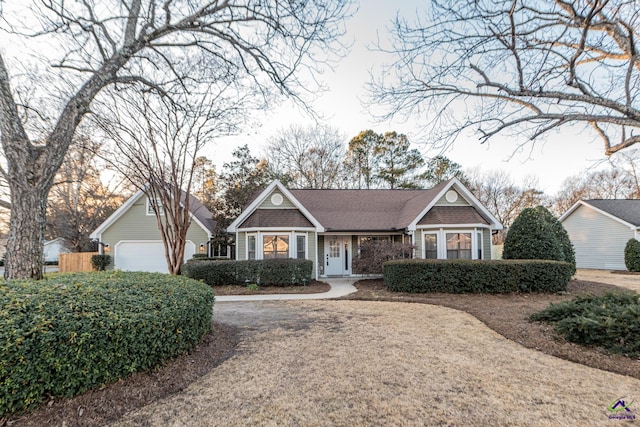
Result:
x=337 y=256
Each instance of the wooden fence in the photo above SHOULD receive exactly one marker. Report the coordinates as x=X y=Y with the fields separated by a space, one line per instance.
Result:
x=78 y=261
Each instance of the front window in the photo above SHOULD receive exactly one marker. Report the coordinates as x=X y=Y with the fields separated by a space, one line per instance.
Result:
x=251 y=247
x=301 y=247
x=274 y=246
x=458 y=245
x=431 y=246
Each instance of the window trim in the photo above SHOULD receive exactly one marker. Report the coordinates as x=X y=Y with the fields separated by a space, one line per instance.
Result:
x=149 y=207
x=424 y=246
x=471 y=238
x=277 y=235
x=255 y=249
x=305 y=249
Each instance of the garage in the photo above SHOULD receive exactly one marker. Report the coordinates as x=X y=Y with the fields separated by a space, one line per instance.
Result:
x=145 y=255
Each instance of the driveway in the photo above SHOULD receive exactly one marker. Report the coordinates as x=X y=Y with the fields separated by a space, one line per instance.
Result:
x=326 y=363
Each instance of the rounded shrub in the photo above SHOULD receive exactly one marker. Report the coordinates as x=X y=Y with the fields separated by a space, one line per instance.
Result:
x=71 y=332
x=632 y=255
x=537 y=234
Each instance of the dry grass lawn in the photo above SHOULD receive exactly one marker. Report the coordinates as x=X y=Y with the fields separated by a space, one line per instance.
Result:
x=386 y=363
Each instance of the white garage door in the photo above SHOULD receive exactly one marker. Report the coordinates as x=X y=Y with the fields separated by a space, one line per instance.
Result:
x=145 y=256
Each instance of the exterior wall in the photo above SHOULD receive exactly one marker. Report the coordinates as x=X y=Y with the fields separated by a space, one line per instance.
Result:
x=599 y=241
x=241 y=246
x=268 y=204
x=460 y=202
x=486 y=242
x=135 y=224
x=321 y=254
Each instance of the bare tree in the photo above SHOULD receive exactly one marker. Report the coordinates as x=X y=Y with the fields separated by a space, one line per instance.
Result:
x=307 y=157
x=79 y=202
x=518 y=68
x=504 y=198
x=159 y=45
x=157 y=143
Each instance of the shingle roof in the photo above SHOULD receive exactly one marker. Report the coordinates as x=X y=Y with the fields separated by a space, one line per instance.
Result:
x=201 y=212
x=627 y=210
x=452 y=215
x=369 y=210
x=276 y=218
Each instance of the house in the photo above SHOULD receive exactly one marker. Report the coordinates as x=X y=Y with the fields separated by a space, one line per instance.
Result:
x=132 y=237
x=600 y=229
x=53 y=248
x=328 y=226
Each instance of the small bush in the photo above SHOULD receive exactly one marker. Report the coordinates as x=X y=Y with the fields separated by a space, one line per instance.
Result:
x=374 y=253
x=537 y=234
x=100 y=262
x=71 y=332
x=477 y=276
x=632 y=255
x=610 y=321
x=271 y=272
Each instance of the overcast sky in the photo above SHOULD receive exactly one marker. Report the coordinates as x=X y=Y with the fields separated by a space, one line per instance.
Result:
x=560 y=156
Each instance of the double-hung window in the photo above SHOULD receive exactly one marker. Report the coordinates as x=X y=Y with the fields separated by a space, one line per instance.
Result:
x=458 y=245
x=275 y=246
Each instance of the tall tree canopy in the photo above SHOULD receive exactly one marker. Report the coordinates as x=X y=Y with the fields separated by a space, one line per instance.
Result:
x=519 y=68
x=306 y=157
x=162 y=46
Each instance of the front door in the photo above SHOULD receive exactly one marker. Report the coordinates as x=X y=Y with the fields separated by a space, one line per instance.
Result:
x=337 y=256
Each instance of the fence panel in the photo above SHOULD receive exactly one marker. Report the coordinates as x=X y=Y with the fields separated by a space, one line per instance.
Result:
x=73 y=262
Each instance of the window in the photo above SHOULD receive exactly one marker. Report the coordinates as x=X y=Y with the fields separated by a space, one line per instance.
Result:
x=479 y=243
x=431 y=246
x=275 y=246
x=301 y=247
x=251 y=246
x=158 y=206
x=458 y=245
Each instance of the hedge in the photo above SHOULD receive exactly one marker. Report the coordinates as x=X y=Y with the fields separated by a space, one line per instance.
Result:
x=72 y=332
x=477 y=276
x=272 y=272
x=632 y=255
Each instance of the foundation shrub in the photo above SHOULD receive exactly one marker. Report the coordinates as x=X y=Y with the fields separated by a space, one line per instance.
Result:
x=477 y=276
x=269 y=272
x=632 y=255
x=72 y=332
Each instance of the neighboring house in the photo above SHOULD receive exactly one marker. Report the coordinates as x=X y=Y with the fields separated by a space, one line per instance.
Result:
x=134 y=240
x=53 y=248
x=600 y=230
x=327 y=226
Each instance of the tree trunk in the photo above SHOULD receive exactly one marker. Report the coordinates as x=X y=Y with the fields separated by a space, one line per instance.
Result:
x=24 y=257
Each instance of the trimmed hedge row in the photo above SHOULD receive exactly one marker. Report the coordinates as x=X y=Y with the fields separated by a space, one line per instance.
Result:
x=477 y=276
x=270 y=272
x=71 y=332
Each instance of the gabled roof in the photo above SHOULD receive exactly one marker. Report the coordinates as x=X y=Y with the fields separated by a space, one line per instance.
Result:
x=199 y=213
x=626 y=211
x=370 y=210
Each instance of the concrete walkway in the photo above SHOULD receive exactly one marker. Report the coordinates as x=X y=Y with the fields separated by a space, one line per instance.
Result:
x=339 y=288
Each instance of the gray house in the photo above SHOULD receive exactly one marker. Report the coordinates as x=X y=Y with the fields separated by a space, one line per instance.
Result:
x=328 y=226
x=600 y=230
x=134 y=240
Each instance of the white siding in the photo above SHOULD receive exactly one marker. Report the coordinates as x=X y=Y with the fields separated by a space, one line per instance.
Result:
x=598 y=240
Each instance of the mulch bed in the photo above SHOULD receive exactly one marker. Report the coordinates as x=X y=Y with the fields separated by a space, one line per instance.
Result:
x=313 y=287
x=506 y=314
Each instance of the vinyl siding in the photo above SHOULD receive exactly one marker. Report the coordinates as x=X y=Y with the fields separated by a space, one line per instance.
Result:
x=267 y=204
x=135 y=224
x=598 y=240
x=241 y=246
x=486 y=243
x=460 y=202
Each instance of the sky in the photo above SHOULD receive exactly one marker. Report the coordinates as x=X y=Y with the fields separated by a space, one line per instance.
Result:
x=561 y=155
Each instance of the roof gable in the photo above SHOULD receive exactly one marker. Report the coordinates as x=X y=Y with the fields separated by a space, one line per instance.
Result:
x=625 y=211
x=199 y=214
